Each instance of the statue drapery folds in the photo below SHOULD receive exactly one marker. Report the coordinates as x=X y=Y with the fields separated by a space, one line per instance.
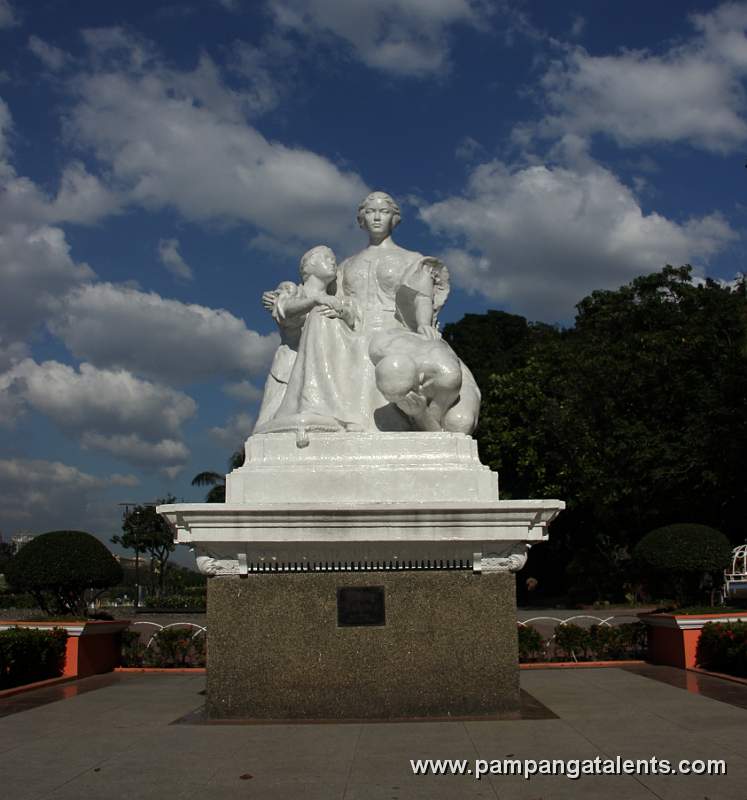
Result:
x=360 y=345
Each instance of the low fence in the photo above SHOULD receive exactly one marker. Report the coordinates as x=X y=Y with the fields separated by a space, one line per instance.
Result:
x=581 y=637
x=175 y=644
x=544 y=637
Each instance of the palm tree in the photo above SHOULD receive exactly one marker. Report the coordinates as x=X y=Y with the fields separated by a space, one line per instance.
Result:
x=216 y=481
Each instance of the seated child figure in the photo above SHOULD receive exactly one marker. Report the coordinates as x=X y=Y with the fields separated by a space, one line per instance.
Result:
x=426 y=381
x=289 y=305
x=421 y=381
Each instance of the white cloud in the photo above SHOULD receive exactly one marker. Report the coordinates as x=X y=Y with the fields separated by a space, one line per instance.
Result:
x=81 y=198
x=171 y=258
x=235 y=431
x=469 y=149
x=8 y=16
x=723 y=32
x=38 y=495
x=578 y=26
x=35 y=262
x=266 y=69
x=274 y=246
x=114 y=326
x=11 y=353
x=118 y=48
x=6 y=124
x=539 y=238
x=111 y=410
x=693 y=92
x=41 y=473
x=35 y=268
x=52 y=57
x=180 y=139
x=243 y=391
x=133 y=448
x=407 y=37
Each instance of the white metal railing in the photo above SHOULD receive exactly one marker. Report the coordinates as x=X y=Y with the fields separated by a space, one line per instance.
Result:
x=201 y=629
x=548 y=643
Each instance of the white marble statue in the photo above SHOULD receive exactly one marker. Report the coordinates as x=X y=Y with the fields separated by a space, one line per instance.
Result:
x=289 y=305
x=362 y=457
x=369 y=356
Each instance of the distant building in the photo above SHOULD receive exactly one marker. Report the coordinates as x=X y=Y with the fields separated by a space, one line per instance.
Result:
x=20 y=539
x=127 y=561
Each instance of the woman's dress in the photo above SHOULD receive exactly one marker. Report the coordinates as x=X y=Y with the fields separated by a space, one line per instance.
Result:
x=332 y=385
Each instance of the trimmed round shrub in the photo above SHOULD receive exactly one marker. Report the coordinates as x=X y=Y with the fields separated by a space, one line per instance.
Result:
x=678 y=557
x=63 y=570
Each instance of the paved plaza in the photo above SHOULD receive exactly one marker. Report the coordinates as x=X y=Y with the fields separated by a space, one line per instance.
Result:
x=138 y=736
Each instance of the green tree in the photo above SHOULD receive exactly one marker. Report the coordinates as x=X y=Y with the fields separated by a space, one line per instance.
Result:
x=636 y=416
x=678 y=558
x=6 y=554
x=494 y=343
x=146 y=531
x=63 y=570
x=216 y=481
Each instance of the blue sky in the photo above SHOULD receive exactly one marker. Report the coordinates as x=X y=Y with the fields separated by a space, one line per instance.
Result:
x=162 y=164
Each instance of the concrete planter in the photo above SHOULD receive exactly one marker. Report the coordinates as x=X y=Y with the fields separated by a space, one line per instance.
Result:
x=673 y=638
x=92 y=647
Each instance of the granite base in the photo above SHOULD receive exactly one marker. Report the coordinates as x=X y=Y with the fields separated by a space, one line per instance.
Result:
x=448 y=647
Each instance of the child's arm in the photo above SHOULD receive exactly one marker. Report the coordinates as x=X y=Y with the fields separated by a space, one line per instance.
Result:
x=299 y=302
x=339 y=308
x=291 y=306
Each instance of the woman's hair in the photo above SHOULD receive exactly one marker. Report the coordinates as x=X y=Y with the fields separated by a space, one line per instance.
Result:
x=311 y=255
x=393 y=207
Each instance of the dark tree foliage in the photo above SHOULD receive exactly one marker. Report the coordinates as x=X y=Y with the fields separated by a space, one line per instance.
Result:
x=146 y=531
x=217 y=484
x=63 y=570
x=493 y=343
x=6 y=554
x=678 y=557
x=217 y=481
x=636 y=417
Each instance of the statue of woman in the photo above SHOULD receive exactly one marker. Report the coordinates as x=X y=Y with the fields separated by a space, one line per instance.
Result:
x=376 y=361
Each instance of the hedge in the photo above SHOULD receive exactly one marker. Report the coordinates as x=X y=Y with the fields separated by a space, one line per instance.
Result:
x=188 y=600
x=10 y=600
x=531 y=644
x=722 y=647
x=30 y=654
x=171 y=647
x=573 y=643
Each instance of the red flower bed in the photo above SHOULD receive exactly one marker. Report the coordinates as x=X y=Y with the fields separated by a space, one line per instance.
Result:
x=722 y=647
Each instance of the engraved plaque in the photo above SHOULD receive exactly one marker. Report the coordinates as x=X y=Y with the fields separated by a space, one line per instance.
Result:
x=360 y=605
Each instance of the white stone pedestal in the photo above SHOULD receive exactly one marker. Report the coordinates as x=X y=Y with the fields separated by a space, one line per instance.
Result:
x=361 y=468
x=360 y=501
x=232 y=539
x=412 y=519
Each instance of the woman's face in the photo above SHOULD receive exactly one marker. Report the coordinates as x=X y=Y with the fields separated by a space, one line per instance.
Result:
x=378 y=216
